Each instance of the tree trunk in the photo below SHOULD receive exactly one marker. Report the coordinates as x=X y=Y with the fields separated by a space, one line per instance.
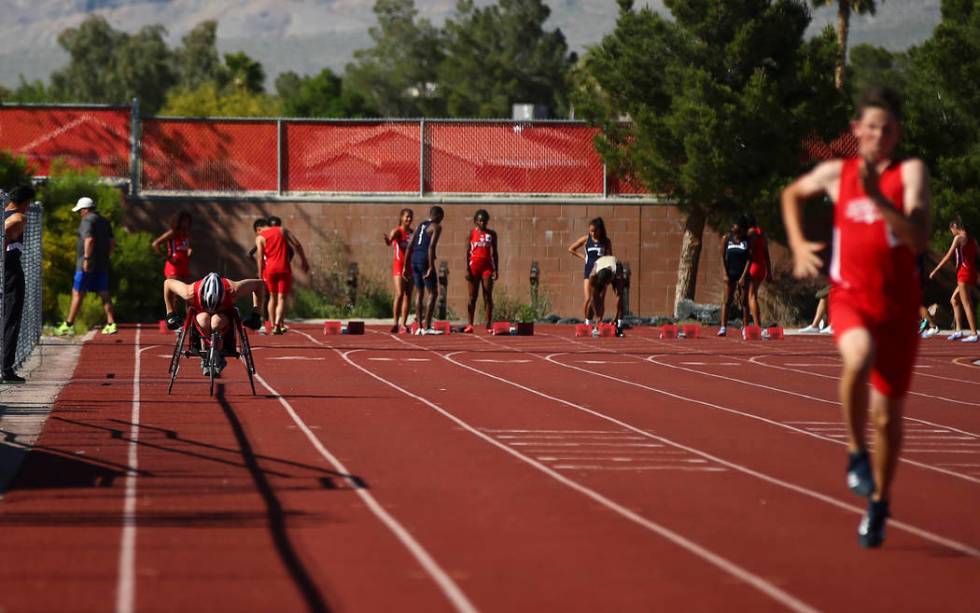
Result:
x=843 y=25
x=687 y=267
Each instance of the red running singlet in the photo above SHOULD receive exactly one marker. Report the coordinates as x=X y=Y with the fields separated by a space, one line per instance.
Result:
x=276 y=259
x=966 y=262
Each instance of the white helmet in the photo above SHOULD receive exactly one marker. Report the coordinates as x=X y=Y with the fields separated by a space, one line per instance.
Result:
x=212 y=292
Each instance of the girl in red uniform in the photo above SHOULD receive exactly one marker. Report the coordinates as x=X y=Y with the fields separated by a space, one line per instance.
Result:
x=481 y=266
x=175 y=245
x=398 y=239
x=760 y=270
x=964 y=248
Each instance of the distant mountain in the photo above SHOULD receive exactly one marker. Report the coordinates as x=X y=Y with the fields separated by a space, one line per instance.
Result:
x=307 y=35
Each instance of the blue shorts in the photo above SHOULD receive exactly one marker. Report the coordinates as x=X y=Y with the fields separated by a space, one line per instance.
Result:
x=588 y=268
x=418 y=276
x=91 y=282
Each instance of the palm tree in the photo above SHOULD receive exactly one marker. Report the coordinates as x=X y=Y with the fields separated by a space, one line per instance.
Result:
x=844 y=10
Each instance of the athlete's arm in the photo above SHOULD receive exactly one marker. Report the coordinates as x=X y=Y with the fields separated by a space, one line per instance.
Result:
x=466 y=263
x=172 y=288
x=949 y=254
x=408 y=252
x=260 y=253
x=911 y=225
x=724 y=253
x=158 y=242
x=496 y=254
x=436 y=232
x=574 y=247
x=298 y=248
x=821 y=180
x=13 y=225
x=768 y=264
x=389 y=237
x=246 y=286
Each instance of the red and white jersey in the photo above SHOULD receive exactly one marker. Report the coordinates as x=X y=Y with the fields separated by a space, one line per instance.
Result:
x=276 y=259
x=868 y=260
x=481 y=245
x=227 y=302
x=400 y=243
x=966 y=258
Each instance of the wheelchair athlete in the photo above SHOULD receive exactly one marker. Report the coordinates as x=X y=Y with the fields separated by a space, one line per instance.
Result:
x=211 y=305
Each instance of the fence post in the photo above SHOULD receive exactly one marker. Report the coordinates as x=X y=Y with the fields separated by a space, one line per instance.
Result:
x=535 y=280
x=605 y=180
x=135 y=125
x=442 y=308
x=279 y=148
x=626 y=290
x=3 y=278
x=422 y=158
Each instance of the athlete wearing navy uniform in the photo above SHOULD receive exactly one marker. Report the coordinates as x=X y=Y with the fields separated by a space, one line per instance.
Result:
x=736 y=257
x=597 y=245
x=421 y=257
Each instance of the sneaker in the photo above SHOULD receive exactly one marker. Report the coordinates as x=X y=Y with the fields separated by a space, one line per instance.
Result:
x=220 y=365
x=468 y=329
x=955 y=336
x=11 y=378
x=931 y=332
x=432 y=332
x=827 y=330
x=722 y=331
x=923 y=325
x=809 y=330
x=278 y=330
x=394 y=329
x=284 y=327
x=109 y=329
x=859 y=478
x=871 y=531
x=65 y=329
x=765 y=333
x=205 y=369
x=595 y=331
x=420 y=331
x=619 y=331
x=973 y=338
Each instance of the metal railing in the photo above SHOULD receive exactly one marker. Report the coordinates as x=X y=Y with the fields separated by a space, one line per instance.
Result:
x=31 y=318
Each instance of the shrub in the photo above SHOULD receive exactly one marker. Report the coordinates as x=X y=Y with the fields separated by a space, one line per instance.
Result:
x=13 y=171
x=508 y=308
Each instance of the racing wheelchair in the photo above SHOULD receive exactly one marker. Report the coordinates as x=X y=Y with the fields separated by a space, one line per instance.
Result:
x=191 y=343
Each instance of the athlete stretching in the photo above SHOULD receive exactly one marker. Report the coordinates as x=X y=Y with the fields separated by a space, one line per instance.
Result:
x=482 y=261
x=881 y=220
x=212 y=299
x=421 y=257
x=964 y=249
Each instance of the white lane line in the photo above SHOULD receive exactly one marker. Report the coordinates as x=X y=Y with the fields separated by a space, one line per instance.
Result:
x=967 y=464
x=449 y=588
x=939 y=451
x=616 y=445
x=704 y=363
x=712 y=469
x=718 y=561
x=298 y=357
x=489 y=361
x=126 y=578
x=612 y=459
x=561 y=431
x=608 y=437
x=920 y=532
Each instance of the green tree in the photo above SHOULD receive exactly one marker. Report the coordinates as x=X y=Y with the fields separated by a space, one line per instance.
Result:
x=323 y=95
x=244 y=73
x=110 y=66
x=14 y=171
x=868 y=65
x=941 y=122
x=397 y=76
x=208 y=100
x=501 y=54
x=844 y=10
x=197 y=59
x=718 y=101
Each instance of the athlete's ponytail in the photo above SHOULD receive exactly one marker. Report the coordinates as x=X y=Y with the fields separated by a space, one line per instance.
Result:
x=600 y=230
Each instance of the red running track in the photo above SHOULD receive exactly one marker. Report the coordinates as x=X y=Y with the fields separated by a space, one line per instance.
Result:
x=550 y=473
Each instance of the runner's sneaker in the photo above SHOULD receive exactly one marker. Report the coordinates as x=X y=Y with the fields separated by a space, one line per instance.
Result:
x=973 y=338
x=931 y=332
x=765 y=333
x=809 y=330
x=220 y=365
x=65 y=329
x=468 y=329
x=722 y=331
x=595 y=331
x=394 y=329
x=955 y=336
x=420 y=331
x=619 y=331
x=923 y=325
x=11 y=378
x=859 y=478
x=827 y=330
x=109 y=329
x=433 y=332
x=871 y=531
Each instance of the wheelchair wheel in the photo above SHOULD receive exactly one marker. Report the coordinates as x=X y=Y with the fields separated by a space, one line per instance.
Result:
x=213 y=356
x=175 y=360
x=246 y=353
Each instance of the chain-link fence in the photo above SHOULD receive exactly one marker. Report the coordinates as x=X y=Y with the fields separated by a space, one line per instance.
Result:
x=31 y=319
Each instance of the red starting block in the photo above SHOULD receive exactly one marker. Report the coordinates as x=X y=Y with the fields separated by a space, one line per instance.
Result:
x=692 y=330
x=775 y=333
x=751 y=333
x=355 y=327
x=332 y=327
x=444 y=326
x=500 y=328
x=583 y=330
x=607 y=329
x=268 y=327
x=163 y=326
x=668 y=331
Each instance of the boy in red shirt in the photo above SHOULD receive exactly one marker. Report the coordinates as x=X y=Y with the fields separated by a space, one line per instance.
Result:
x=881 y=221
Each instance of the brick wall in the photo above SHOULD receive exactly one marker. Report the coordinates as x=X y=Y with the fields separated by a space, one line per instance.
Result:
x=647 y=237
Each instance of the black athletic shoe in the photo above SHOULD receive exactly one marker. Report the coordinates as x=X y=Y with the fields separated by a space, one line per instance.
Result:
x=253 y=321
x=859 y=478
x=11 y=378
x=871 y=531
x=173 y=321
x=619 y=332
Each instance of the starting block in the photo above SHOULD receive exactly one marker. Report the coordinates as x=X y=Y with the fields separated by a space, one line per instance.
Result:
x=668 y=331
x=583 y=330
x=525 y=328
x=332 y=327
x=501 y=328
x=751 y=333
x=268 y=326
x=692 y=330
x=775 y=333
x=355 y=327
x=607 y=329
x=163 y=326
x=444 y=326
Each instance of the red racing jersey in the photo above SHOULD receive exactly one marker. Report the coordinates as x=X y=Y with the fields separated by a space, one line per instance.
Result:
x=966 y=261
x=227 y=303
x=481 y=245
x=868 y=261
x=276 y=258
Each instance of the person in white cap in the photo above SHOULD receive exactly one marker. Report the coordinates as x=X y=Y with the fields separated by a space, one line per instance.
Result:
x=95 y=246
